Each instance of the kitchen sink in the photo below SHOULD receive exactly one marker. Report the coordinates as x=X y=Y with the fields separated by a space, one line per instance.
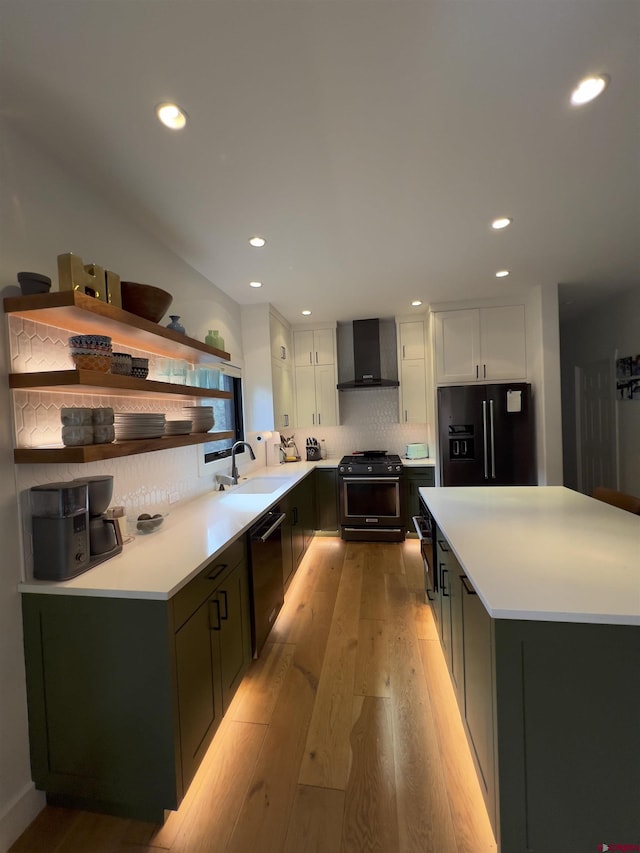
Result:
x=259 y=486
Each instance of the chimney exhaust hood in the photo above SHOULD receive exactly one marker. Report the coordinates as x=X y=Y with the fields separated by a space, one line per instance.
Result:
x=365 y=347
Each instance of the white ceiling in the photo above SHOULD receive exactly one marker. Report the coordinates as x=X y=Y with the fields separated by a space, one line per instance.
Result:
x=370 y=141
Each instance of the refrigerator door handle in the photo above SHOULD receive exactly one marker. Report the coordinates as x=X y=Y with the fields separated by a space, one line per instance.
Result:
x=493 y=449
x=484 y=439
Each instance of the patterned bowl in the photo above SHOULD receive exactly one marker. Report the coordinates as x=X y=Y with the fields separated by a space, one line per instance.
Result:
x=95 y=361
x=97 y=342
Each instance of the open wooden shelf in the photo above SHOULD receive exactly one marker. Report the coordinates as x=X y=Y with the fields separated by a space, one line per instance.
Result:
x=81 y=314
x=97 y=452
x=92 y=382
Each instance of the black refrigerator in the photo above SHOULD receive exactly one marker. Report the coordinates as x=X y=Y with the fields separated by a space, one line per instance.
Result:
x=486 y=435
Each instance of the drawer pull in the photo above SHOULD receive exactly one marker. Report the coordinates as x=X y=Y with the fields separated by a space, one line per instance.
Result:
x=444 y=572
x=442 y=544
x=217 y=625
x=224 y=615
x=467 y=586
x=216 y=571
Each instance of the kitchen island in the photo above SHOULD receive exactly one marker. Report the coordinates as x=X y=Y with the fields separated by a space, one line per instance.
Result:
x=538 y=611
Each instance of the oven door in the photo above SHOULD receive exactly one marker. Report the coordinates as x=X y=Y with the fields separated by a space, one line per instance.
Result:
x=423 y=524
x=370 y=501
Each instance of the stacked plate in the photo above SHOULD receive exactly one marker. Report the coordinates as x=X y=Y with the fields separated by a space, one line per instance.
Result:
x=130 y=425
x=201 y=416
x=178 y=427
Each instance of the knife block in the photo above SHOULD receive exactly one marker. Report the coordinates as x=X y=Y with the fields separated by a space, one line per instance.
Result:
x=313 y=454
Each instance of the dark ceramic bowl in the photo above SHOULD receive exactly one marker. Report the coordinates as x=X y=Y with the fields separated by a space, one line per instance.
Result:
x=145 y=300
x=33 y=282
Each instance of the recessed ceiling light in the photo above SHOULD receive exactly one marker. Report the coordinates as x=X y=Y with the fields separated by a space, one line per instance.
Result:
x=171 y=116
x=416 y=302
x=501 y=222
x=502 y=273
x=306 y=312
x=588 y=89
x=257 y=242
x=255 y=284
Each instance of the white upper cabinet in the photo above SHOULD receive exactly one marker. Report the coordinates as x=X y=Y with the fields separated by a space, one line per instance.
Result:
x=314 y=346
x=280 y=335
x=281 y=373
x=480 y=344
x=411 y=340
x=412 y=370
x=316 y=396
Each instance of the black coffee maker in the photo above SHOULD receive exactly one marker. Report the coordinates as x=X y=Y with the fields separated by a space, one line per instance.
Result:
x=105 y=539
x=60 y=530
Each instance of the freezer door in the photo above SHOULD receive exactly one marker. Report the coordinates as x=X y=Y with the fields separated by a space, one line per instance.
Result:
x=510 y=435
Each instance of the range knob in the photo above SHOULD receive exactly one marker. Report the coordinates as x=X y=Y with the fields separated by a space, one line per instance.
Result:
x=341 y=469
x=369 y=467
x=389 y=467
x=350 y=468
x=398 y=467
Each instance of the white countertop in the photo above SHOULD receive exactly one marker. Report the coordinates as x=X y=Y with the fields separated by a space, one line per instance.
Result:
x=157 y=565
x=545 y=553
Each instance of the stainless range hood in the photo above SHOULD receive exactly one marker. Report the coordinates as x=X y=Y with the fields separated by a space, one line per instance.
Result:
x=367 y=355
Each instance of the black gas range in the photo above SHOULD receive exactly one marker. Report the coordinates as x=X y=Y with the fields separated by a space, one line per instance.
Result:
x=372 y=497
x=376 y=462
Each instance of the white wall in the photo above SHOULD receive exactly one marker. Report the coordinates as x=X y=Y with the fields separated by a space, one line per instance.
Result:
x=43 y=213
x=610 y=330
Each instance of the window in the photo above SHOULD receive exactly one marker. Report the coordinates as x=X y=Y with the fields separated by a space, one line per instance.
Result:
x=228 y=418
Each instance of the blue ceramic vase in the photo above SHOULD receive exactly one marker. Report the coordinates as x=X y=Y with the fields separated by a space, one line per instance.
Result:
x=175 y=324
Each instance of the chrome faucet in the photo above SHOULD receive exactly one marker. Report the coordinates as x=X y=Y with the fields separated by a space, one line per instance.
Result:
x=224 y=479
x=234 y=467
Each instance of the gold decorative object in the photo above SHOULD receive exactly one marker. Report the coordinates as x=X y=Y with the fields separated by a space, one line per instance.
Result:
x=89 y=279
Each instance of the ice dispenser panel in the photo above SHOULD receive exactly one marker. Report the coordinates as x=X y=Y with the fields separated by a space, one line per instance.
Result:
x=461 y=442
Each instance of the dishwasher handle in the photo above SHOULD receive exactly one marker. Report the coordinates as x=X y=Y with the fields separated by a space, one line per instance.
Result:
x=258 y=535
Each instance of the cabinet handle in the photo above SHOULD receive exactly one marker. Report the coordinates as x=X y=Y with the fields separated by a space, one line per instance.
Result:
x=295 y=515
x=313 y=419
x=319 y=419
x=406 y=417
x=477 y=371
x=443 y=572
x=468 y=588
x=286 y=420
x=429 y=595
x=217 y=625
x=216 y=571
x=224 y=615
x=316 y=356
x=484 y=371
x=310 y=358
x=403 y=352
x=283 y=353
x=443 y=545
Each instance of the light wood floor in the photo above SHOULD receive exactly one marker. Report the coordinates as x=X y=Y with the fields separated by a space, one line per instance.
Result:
x=343 y=738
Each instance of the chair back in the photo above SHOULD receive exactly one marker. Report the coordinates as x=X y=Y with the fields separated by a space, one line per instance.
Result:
x=619 y=499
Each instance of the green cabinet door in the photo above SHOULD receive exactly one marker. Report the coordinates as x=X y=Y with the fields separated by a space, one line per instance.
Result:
x=327 y=499
x=414 y=479
x=199 y=687
x=446 y=569
x=306 y=501
x=234 y=633
x=478 y=690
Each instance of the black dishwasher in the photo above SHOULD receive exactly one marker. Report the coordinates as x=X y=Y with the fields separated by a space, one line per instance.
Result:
x=267 y=588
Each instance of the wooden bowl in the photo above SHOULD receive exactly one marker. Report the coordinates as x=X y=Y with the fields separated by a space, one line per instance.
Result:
x=145 y=300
